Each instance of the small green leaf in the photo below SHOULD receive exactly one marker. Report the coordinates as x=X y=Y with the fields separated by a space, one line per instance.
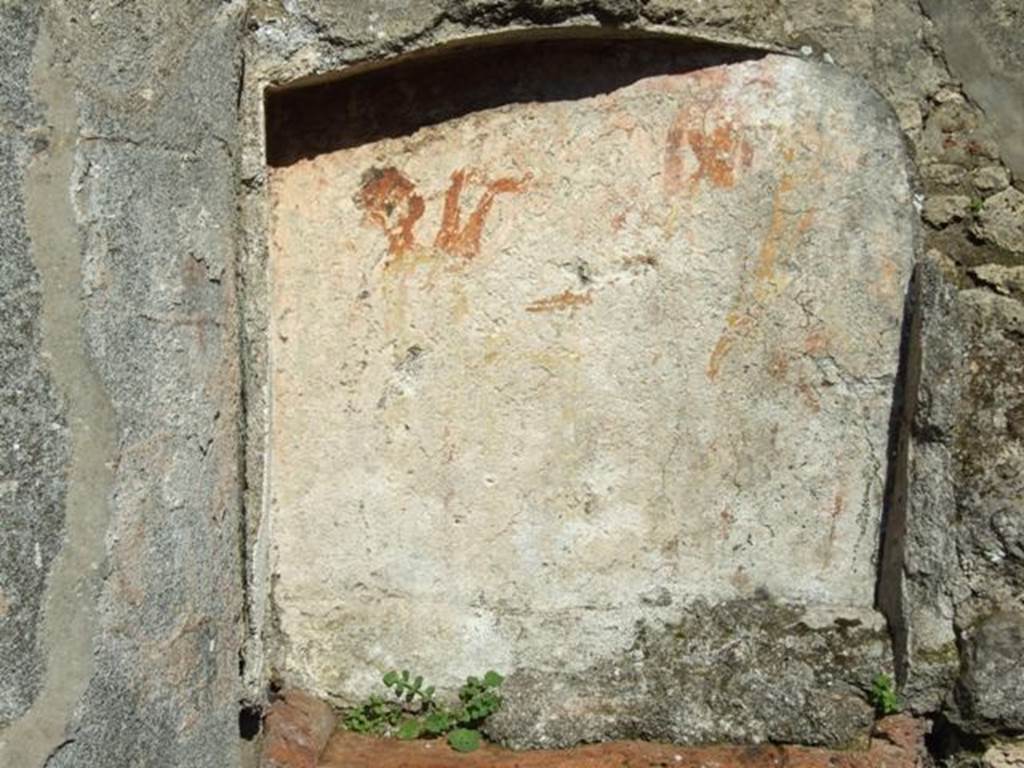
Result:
x=409 y=730
x=357 y=721
x=492 y=679
x=464 y=740
x=437 y=723
x=390 y=678
x=884 y=696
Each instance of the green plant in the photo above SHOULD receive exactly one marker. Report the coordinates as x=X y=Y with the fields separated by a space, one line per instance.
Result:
x=375 y=715
x=464 y=739
x=883 y=695
x=412 y=711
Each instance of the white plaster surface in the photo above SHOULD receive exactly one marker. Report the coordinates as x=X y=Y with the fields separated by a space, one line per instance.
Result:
x=548 y=369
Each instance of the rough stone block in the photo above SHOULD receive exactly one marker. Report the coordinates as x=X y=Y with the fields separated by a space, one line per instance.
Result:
x=941 y=210
x=574 y=364
x=123 y=544
x=1006 y=755
x=743 y=671
x=989 y=468
x=990 y=694
x=1001 y=220
x=991 y=178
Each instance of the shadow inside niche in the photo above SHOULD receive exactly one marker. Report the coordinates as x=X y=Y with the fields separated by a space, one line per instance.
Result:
x=250 y=721
x=426 y=89
x=889 y=596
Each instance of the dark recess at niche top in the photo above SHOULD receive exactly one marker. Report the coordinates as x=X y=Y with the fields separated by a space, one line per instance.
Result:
x=398 y=98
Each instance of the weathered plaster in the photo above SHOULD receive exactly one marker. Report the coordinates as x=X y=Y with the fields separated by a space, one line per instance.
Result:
x=515 y=393
x=286 y=47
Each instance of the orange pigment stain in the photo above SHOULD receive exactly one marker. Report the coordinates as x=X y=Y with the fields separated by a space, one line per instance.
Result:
x=765 y=269
x=746 y=154
x=727 y=519
x=675 y=167
x=886 y=284
x=464 y=240
x=564 y=300
x=765 y=81
x=806 y=221
x=390 y=201
x=809 y=396
x=735 y=325
x=837 y=511
x=719 y=153
x=781 y=233
x=779 y=369
x=816 y=343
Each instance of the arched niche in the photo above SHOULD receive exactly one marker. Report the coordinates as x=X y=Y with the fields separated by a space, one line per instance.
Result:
x=574 y=337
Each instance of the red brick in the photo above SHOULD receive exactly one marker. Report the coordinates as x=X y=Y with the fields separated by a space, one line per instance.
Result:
x=899 y=743
x=296 y=729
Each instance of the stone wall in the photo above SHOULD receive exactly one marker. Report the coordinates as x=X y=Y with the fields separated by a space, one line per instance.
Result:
x=121 y=578
x=135 y=548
